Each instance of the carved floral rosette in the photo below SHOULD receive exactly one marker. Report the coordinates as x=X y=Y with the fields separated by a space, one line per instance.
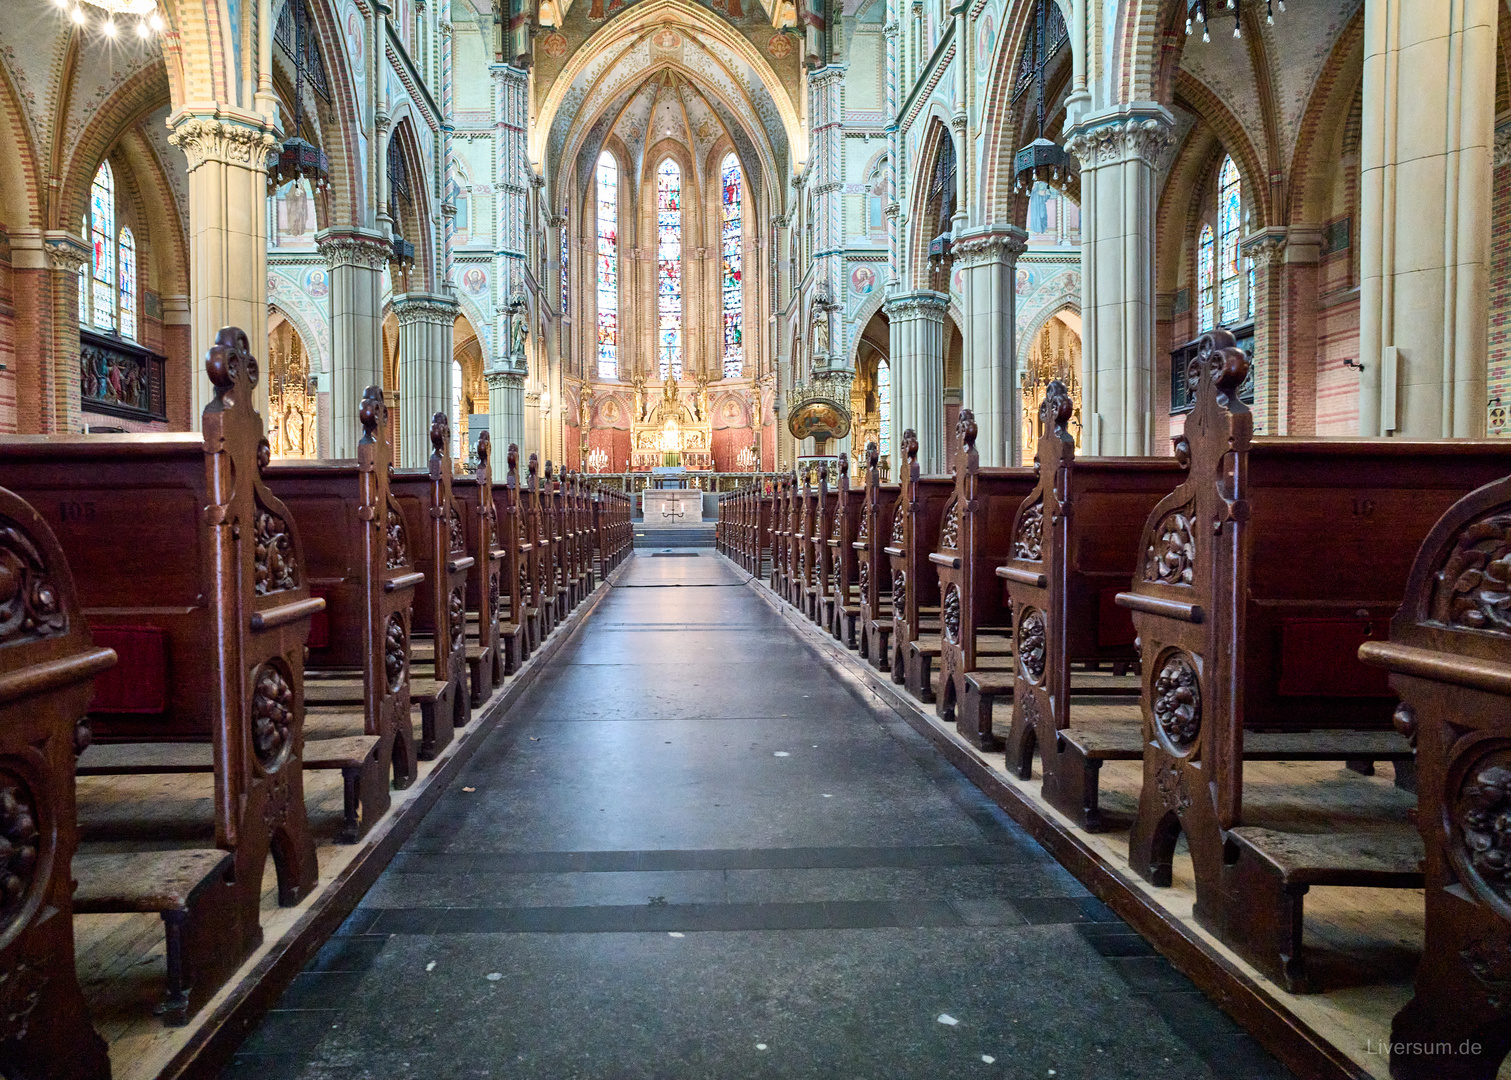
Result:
x=272 y=715
x=395 y=653
x=31 y=606
x=950 y=614
x=276 y=568
x=1176 y=702
x=1031 y=643
x=1472 y=589
x=457 y=618
x=1171 y=558
x=398 y=542
x=949 y=532
x=1028 y=543
x=899 y=591
x=899 y=523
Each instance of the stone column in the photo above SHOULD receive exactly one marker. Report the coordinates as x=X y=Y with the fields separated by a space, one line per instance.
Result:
x=425 y=330
x=989 y=379
x=1272 y=357
x=1424 y=216
x=356 y=259
x=506 y=408
x=228 y=250
x=46 y=278
x=917 y=359
x=1118 y=150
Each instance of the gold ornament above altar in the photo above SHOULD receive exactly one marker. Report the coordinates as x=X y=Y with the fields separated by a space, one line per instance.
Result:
x=673 y=429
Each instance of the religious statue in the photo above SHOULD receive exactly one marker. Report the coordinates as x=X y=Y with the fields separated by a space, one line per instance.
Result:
x=296 y=207
x=755 y=404
x=638 y=382
x=670 y=393
x=518 y=331
x=700 y=407
x=821 y=323
x=585 y=407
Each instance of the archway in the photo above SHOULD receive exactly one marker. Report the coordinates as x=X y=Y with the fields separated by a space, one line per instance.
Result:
x=1054 y=353
x=293 y=426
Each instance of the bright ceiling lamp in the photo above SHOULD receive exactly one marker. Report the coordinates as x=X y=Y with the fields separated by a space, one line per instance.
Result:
x=148 y=21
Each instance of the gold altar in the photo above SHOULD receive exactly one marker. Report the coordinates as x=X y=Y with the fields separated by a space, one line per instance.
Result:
x=673 y=429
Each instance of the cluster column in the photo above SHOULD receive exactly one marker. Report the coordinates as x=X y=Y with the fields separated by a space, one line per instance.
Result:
x=356 y=259
x=1118 y=150
x=1424 y=216
x=917 y=359
x=425 y=330
x=989 y=369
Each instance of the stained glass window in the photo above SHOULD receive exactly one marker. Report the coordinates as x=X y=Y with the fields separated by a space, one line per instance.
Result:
x=457 y=450
x=84 y=280
x=608 y=267
x=127 y=245
x=565 y=244
x=102 y=230
x=734 y=295
x=1229 y=200
x=1204 y=285
x=884 y=403
x=669 y=267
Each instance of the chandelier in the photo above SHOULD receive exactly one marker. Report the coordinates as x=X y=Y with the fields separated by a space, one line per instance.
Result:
x=1041 y=159
x=297 y=158
x=1197 y=12
x=149 y=22
x=598 y=460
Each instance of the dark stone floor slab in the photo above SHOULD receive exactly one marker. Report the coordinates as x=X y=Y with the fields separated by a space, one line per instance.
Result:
x=676 y=862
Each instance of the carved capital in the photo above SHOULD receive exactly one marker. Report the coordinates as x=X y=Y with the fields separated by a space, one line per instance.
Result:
x=68 y=253
x=1265 y=246
x=974 y=249
x=919 y=305
x=1131 y=135
x=1502 y=152
x=505 y=380
x=222 y=140
x=367 y=250
x=410 y=310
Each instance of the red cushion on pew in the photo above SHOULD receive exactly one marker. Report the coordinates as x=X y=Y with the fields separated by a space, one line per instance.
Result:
x=1320 y=658
x=139 y=681
x=320 y=622
x=1114 y=624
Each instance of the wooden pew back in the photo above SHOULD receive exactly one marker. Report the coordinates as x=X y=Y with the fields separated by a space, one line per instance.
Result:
x=872 y=568
x=48 y=663
x=916 y=521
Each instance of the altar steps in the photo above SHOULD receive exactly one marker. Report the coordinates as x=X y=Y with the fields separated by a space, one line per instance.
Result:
x=655 y=537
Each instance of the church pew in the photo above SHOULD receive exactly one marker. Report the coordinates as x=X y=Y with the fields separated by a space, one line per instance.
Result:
x=485 y=666
x=513 y=633
x=843 y=601
x=552 y=521
x=48 y=667
x=818 y=593
x=873 y=576
x=975 y=625
x=542 y=572
x=798 y=541
x=1074 y=547
x=438 y=629
x=529 y=558
x=184 y=559
x=1259 y=578
x=760 y=530
x=582 y=536
x=357 y=556
x=781 y=516
x=1449 y=659
x=915 y=527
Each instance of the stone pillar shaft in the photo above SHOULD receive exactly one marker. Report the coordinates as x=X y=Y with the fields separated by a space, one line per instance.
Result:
x=1424 y=215
x=356 y=260
x=917 y=361
x=1117 y=150
x=425 y=331
x=228 y=251
x=989 y=370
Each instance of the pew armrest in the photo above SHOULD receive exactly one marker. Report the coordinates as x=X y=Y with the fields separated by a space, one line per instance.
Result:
x=287 y=613
x=949 y=562
x=1477 y=674
x=1154 y=605
x=1022 y=577
x=403 y=581
x=464 y=563
x=895 y=552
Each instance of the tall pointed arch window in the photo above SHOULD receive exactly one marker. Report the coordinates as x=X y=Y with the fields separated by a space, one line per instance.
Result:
x=458 y=450
x=126 y=245
x=606 y=185
x=884 y=403
x=669 y=268
x=1229 y=207
x=1205 y=286
x=102 y=243
x=733 y=277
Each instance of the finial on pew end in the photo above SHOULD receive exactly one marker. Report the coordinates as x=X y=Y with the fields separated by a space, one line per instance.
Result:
x=484 y=450
x=228 y=361
x=910 y=445
x=264 y=453
x=1219 y=359
x=440 y=429
x=873 y=455
x=844 y=467
x=965 y=429
x=371 y=412
x=512 y=457
x=1056 y=409
x=548 y=470
x=534 y=468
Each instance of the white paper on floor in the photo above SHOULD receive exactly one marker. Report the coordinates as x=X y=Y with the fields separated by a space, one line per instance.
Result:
x=947 y=1020
x=495 y=976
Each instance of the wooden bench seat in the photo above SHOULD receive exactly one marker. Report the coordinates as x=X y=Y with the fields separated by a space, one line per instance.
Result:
x=350 y=754
x=178 y=885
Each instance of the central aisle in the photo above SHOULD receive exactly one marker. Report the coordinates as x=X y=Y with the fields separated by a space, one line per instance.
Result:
x=693 y=849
